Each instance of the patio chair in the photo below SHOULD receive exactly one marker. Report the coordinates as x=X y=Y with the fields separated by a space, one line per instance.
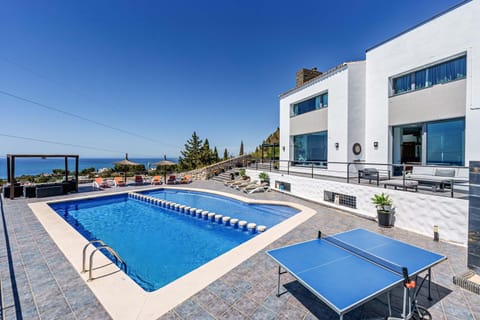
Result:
x=118 y=181
x=156 y=180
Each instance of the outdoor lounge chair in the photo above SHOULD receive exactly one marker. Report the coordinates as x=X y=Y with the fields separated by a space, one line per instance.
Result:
x=229 y=182
x=118 y=181
x=186 y=179
x=156 y=180
x=139 y=180
x=100 y=183
x=243 y=185
x=238 y=182
x=251 y=188
x=172 y=180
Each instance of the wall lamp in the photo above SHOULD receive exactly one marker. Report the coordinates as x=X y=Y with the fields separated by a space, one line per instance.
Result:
x=375 y=144
x=337 y=145
x=283 y=148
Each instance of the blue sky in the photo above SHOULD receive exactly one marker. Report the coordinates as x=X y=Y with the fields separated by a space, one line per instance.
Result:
x=162 y=69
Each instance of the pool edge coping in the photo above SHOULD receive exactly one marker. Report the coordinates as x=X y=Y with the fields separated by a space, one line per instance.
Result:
x=121 y=296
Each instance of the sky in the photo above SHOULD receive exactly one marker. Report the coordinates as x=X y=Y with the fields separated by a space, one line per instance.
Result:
x=102 y=78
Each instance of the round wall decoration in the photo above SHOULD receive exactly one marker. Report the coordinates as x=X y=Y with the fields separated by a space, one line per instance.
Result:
x=357 y=149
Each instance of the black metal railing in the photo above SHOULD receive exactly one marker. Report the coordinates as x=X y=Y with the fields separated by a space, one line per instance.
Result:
x=372 y=171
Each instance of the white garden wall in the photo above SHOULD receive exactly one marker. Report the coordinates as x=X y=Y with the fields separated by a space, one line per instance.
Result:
x=414 y=211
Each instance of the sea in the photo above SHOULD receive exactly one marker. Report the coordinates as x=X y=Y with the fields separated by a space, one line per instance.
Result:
x=34 y=166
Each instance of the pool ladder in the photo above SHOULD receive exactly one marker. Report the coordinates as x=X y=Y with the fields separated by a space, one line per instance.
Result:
x=102 y=245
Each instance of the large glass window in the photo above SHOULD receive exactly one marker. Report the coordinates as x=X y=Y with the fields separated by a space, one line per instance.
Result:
x=436 y=74
x=314 y=103
x=446 y=142
x=310 y=147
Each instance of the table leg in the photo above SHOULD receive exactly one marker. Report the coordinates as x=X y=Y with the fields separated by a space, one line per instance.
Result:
x=278 y=283
x=430 y=284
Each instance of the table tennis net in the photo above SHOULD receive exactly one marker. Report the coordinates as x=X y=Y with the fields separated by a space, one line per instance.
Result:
x=366 y=255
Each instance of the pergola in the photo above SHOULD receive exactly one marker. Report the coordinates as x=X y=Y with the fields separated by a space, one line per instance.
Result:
x=11 y=167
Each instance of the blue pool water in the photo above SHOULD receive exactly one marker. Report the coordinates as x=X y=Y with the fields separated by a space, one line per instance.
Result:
x=159 y=245
x=261 y=214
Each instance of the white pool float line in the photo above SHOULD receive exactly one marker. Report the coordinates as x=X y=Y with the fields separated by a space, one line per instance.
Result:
x=200 y=213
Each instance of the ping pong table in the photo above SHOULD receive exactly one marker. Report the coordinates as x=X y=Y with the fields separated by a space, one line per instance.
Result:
x=348 y=269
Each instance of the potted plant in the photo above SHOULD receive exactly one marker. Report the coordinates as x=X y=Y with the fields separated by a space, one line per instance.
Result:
x=384 y=209
x=263 y=176
x=242 y=173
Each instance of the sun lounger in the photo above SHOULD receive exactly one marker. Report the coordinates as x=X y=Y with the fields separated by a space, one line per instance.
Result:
x=172 y=180
x=139 y=180
x=243 y=185
x=186 y=179
x=118 y=182
x=239 y=182
x=254 y=187
x=229 y=182
x=156 y=180
x=100 y=183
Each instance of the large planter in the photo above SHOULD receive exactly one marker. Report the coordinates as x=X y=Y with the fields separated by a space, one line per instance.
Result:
x=385 y=218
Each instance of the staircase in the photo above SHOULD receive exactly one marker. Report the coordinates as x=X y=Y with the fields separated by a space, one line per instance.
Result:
x=225 y=176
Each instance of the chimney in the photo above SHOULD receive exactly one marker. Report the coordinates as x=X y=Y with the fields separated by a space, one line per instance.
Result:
x=305 y=75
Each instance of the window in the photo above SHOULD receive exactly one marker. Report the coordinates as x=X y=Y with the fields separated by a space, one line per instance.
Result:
x=427 y=77
x=314 y=103
x=310 y=147
x=445 y=142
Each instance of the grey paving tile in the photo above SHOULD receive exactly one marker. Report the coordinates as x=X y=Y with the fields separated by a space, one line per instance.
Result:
x=263 y=313
x=233 y=314
x=245 y=292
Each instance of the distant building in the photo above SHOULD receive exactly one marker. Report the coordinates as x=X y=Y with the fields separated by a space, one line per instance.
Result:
x=416 y=98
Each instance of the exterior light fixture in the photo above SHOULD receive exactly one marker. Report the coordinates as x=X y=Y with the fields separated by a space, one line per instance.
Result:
x=375 y=144
x=283 y=148
x=337 y=145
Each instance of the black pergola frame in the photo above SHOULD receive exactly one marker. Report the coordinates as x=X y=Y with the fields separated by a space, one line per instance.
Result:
x=11 y=167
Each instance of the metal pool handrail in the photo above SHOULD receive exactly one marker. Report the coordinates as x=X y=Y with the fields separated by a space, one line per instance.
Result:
x=101 y=246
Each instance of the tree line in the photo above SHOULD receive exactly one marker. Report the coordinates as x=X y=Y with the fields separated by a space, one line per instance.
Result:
x=198 y=154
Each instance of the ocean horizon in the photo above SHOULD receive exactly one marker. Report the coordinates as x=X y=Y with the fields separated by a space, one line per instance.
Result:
x=34 y=166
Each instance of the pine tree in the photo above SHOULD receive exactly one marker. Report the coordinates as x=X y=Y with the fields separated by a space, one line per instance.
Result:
x=241 y=149
x=206 y=154
x=191 y=156
x=216 y=158
x=225 y=154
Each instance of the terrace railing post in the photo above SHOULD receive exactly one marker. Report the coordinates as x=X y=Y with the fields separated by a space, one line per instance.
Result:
x=348 y=172
x=404 y=171
x=288 y=167
x=312 y=170
x=270 y=165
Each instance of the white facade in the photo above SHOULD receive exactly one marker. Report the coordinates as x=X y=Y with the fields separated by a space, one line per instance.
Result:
x=363 y=109
x=343 y=118
x=451 y=34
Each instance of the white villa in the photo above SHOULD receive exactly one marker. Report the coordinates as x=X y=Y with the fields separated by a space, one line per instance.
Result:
x=415 y=98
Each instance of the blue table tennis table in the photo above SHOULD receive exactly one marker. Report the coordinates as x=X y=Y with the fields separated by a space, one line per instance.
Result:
x=350 y=268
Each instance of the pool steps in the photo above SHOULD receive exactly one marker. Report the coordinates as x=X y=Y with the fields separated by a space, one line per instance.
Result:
x=200 y=213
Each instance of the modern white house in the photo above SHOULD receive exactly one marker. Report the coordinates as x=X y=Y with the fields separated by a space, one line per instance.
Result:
x=323 y=117
x=415 y=99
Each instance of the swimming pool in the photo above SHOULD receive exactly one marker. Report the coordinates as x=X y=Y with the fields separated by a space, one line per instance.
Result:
x=160 y=245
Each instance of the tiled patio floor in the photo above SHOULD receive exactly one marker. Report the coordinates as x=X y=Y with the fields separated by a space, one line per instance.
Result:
x=39 y=283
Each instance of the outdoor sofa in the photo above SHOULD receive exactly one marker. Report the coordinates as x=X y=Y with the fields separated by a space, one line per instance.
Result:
x=437 y=177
